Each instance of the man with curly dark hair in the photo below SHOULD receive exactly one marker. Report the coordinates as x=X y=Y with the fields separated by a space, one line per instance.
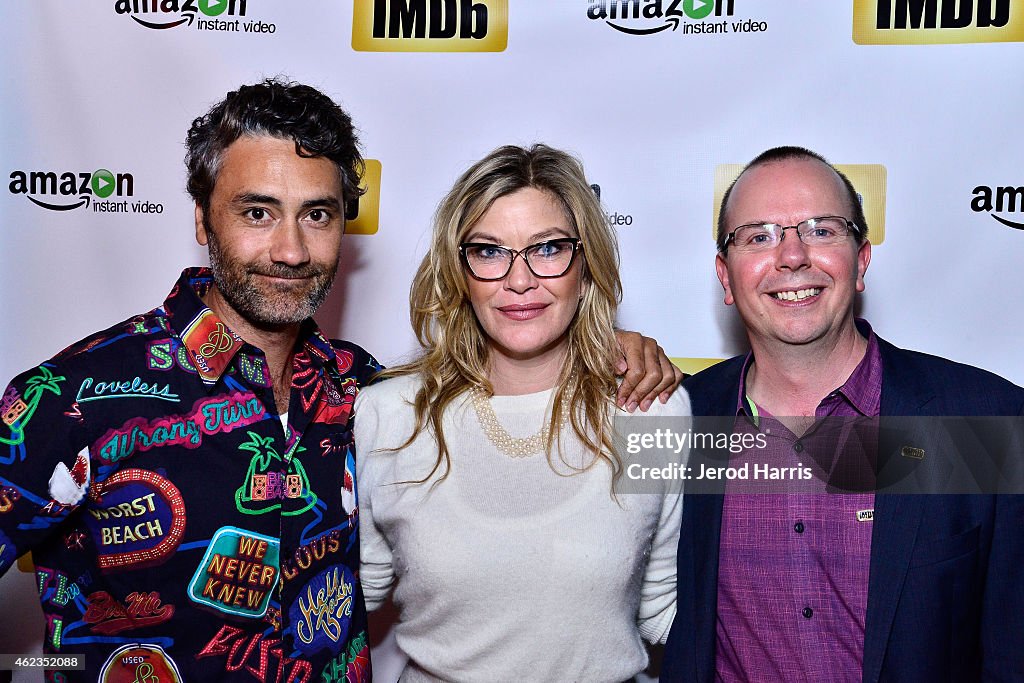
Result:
x=317 y=126
x=185 y=478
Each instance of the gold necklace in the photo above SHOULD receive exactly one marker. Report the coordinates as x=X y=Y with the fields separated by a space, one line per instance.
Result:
x=515 y=447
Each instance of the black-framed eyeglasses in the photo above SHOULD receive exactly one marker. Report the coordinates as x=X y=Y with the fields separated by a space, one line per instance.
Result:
x=550 y=258
x=814 y=232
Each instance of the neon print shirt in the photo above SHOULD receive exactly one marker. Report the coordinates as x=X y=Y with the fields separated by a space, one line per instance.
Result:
x=178 y=531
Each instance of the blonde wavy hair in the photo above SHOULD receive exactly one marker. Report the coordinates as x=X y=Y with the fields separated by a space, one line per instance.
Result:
x=455 y=351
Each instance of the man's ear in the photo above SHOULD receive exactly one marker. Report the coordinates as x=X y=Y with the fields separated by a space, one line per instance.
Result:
x=722 y=268
x=863 y=259
x=201 y=235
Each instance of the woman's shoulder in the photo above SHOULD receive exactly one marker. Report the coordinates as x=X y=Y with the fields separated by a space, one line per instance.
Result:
x=384 y=419
x=677 y=405
x=390 y=392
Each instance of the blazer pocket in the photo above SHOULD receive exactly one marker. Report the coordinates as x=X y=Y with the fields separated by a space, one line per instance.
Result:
x=934 y=551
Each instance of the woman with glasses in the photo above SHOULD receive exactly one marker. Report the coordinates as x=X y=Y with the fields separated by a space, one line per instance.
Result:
x=486 y=466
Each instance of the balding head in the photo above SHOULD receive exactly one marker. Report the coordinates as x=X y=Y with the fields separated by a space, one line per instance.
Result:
x=855 y=210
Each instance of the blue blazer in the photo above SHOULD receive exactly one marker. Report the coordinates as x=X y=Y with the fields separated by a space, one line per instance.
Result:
x=946 y=583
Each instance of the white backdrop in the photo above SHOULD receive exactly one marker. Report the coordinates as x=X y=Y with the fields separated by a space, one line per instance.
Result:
x=652 y=113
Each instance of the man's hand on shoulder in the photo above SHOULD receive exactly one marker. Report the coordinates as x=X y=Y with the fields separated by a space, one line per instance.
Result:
x=647 y=373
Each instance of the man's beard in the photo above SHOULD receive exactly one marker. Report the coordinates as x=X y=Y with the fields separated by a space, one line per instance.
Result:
x=265 y=304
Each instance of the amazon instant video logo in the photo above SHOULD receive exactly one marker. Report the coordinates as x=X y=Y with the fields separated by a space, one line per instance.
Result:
x=689 y=17
x=204 y=15
x=103 y=190
x=1000 y=200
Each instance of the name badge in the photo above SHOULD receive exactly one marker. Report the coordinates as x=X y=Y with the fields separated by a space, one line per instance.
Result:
x=912 y=452
x=865 y=515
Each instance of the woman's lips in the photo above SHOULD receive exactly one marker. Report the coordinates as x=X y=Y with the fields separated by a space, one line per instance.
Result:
x=522 y=311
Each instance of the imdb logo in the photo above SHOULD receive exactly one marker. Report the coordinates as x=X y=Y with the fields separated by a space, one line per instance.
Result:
x=925 y=22
x=868 y=179
x=362 y=216
x=430 y=25
x=691 y=366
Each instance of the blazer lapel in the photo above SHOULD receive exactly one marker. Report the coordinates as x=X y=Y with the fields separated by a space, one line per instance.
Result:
x=702 y=517
x=707 y=514
x=897 y=517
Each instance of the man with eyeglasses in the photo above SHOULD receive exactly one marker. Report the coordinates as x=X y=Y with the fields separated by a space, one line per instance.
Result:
x=806 y=583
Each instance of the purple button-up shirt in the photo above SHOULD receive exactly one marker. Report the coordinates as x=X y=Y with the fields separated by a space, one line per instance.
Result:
x=793 y=567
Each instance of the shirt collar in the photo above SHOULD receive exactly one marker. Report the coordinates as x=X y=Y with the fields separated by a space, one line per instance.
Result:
x=212 y=345
x=318 y=347
x=862 y=389
x=742 y=406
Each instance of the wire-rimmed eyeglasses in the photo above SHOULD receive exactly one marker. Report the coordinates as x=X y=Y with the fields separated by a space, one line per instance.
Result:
x=818 y=231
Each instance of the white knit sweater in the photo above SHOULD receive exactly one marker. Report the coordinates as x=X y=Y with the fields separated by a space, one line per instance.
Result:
x=506 y=570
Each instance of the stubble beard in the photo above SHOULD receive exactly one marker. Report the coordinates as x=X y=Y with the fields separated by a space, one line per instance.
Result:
x=262 y=303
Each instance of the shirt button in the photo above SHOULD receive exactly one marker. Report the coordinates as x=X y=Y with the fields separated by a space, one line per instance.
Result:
x=798 y=527
x=808 y=612
x=798 y=447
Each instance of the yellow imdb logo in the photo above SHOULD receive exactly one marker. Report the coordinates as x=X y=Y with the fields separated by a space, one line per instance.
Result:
x=691 y=366
x=430 y=25
x=868 y=179
x=927 y=22
x=367 y=218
